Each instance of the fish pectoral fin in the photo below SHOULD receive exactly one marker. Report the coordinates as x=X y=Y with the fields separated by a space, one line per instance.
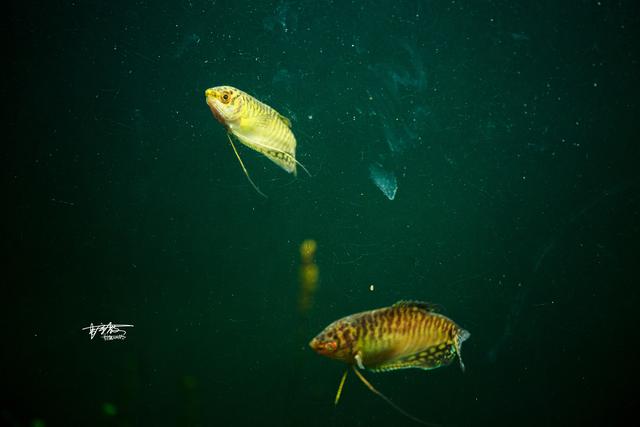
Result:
x=253 y=121
x=359 y=361
x=429 y=358
x=263 y=121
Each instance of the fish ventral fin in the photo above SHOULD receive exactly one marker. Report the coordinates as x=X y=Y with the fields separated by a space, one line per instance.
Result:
x=339 y=392
x=244 y=169
x=389 y=401
x=422 y=305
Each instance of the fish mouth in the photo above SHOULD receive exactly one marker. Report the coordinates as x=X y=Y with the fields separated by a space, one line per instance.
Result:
x=317 y=346
x=321 y=348
x=211 y=102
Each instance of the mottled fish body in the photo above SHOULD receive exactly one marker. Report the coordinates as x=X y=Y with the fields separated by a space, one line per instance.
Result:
x=255 y=124
x=408 y=334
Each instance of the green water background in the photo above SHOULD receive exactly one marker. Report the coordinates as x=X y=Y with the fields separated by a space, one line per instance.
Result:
x=511 y=127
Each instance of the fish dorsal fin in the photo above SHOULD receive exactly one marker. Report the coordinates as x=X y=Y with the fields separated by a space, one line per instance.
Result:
x=285 y=120
x=426 y=306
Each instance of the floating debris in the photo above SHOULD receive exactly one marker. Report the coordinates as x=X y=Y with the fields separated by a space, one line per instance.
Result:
x=384 y=180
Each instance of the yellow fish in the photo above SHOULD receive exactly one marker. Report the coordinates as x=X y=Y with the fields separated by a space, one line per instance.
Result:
x=256 y=125
x=409 y=334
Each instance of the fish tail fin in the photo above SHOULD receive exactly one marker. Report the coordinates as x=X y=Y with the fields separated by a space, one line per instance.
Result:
x=461 y=337
x=389 y=401
x=339 y=393
x=245 y=169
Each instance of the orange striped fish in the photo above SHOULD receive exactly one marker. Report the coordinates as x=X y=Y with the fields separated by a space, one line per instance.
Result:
x=409 y=334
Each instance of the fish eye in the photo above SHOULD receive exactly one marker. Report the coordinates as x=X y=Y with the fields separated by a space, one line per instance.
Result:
x=225 y=98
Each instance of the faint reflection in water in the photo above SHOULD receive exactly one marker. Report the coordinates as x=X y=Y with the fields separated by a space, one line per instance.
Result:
x=186 y=45
x=399 y=102
x=283 y=19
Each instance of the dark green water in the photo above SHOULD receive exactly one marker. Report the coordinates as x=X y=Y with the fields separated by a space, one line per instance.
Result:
x=511 y=130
